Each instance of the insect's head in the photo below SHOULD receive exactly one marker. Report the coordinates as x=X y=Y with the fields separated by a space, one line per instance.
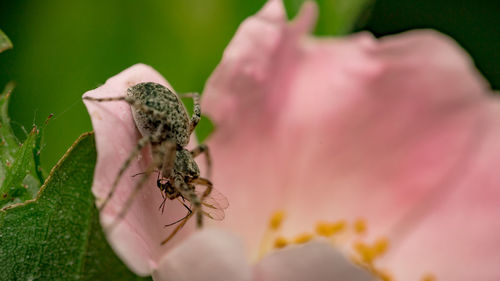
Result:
x=166 y=187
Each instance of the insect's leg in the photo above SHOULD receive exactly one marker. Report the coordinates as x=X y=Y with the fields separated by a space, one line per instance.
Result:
x=179 y=226
x=134 y=193
x=196 y=109
x=135 y=103
x=162 y=191
x=163 y=203
x=188 y=192
x=120 y=98
x=140 y=144
x=203 y=148
x=168 y=152
x=182 y=223
x=155 y=164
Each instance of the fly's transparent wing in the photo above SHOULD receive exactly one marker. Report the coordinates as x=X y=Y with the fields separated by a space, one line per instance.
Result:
x=214 y=204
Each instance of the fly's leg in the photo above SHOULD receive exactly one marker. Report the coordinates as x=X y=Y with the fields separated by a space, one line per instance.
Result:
x=188 y=191
x=179 y=226
x=203 y=148
x=163 y=203
x=196 y=109
x=179 y=220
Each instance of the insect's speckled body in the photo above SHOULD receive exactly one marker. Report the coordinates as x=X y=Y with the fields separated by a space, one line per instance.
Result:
x=161 y=99
x=164 y=123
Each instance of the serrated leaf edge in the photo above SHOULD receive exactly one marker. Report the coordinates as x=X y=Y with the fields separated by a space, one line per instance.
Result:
x=52 y=171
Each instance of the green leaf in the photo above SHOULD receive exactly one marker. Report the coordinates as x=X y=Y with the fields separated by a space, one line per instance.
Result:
x=20 y=174
x=336 y=17
x=21 y=182
x=57 y=236
x=5 y=43
x=8 y=141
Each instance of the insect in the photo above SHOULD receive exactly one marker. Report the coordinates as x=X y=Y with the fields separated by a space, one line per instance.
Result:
x=164 y=123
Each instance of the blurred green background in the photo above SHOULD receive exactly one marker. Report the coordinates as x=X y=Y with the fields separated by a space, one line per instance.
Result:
x=64 y=48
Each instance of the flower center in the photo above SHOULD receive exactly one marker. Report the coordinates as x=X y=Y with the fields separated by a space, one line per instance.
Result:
x=338 y=234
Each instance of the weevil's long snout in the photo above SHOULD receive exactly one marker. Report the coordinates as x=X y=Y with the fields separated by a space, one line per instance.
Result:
x=164 y=154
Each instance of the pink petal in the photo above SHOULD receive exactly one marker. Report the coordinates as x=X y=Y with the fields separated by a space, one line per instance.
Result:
x=396 y=130
x=206 y=255
x=239 y=96
x=458 y=239
x=137 y=238
x=246 y=64
x=312 y=261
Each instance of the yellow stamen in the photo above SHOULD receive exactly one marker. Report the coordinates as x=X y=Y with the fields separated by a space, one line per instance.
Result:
x=429 y=277
x=329 y=229
x=381 y=246
x=303 y=238
x=275 y=223
x=360 y=226
x=280 y=242
x=365 y=252
x=369 y=253
x=324 y=229
x=276 y=220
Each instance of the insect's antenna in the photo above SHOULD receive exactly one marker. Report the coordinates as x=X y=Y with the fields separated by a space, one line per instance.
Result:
x=34 y=116
x=78 y=100
x=21 y=127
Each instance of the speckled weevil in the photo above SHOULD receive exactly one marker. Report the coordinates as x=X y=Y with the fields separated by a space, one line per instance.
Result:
x=164 y=123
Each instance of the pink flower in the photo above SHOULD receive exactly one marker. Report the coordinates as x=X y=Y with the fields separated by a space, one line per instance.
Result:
x=400 y=132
